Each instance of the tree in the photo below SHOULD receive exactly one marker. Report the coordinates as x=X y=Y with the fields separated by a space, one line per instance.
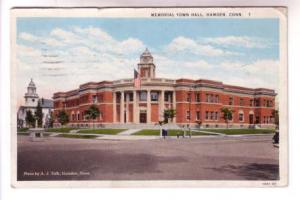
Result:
x=227 y=114
x=169 y=114
x=51 y=120
x=92 y=113
x=30 y=121
x=63 y=117
x=39 y=115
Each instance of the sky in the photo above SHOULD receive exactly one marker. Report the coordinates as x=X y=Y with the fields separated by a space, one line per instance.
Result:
x=62 y=53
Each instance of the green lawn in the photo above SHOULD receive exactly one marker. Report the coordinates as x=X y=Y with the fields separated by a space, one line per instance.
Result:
x=27 y=133
x=59 y=130
x=77 y=136
x=171 y=132
x=241 y=131
x=102 y=131
x=23 y=129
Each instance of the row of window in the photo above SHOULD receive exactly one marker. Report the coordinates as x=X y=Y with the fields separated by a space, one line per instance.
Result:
x=211 y=115
x=210 y=98
x=143 y=96
x=252 y=102
x=267 y=119
x=82 y=116
x=268 y=103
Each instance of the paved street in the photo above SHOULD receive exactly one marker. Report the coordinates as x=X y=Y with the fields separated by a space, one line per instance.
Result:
x=218 y=158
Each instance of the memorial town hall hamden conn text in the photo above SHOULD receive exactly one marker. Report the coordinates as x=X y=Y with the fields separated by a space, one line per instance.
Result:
x=144 y=98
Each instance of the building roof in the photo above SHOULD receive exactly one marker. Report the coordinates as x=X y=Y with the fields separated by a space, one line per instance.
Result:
x=146 y=53
x=46 y=103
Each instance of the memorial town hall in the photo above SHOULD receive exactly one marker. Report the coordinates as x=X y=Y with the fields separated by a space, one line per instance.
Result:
x=143 y=100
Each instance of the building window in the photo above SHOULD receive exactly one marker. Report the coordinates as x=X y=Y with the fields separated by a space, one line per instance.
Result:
x=251 y=102
x=257 y=102
x=217 y=98
x=198 y=115
x=143 y=96
x=131 y=97
x=216 y=116
x=206 y=115
x=241 y=117
x=154 y=96
x=166 y=97
x=188 y=98
x=197 y=97
x=188 y=115
x=257 y=119
x=94 y=99
x=78 y=116
x=230 y=100
x=265 y=104
x=241 y=102
x=212 y=115
x=269 y=103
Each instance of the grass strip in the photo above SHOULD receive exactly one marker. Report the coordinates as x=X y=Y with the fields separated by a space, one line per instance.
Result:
x=77 y=136
x=59 y=130
x=171 y=132
x=241 y=131
x=102 y=131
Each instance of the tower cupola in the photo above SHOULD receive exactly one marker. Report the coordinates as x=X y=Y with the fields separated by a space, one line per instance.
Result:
x=31 y=97
x=146 y=66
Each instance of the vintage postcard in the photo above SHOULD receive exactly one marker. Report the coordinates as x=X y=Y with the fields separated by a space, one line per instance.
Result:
x=149 y=97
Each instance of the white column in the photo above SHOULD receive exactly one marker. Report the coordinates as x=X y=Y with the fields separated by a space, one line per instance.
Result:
x=148 y=107
x=114 y=107
x=127 y=107
x=174 y=104
x=162 y=104
x=122 y=108
x=135 y=114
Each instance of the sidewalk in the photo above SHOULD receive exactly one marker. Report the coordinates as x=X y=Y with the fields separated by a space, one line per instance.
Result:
x=127 y=136
x=129 y=132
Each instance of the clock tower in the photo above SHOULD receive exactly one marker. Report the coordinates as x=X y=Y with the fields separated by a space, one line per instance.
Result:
x=146 y=66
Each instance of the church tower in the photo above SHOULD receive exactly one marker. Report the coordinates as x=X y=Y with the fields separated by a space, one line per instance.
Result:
x=31 y=97
x=146 y=66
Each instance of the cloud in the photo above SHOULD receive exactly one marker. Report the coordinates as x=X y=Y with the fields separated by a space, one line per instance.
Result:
x=239 y=41
x=192 y=47
x=64 y=58
x=28 y=37
x=64 y=36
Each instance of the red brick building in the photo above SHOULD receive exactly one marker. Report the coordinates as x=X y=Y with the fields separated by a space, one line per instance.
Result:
x=195 y=101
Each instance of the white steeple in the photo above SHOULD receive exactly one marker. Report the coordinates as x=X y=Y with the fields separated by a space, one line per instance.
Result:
x=31 y=97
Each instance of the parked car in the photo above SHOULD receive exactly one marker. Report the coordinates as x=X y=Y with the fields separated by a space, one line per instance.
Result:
x=276 y=137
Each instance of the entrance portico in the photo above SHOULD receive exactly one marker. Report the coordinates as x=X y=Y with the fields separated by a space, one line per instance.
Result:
x=141 y=106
